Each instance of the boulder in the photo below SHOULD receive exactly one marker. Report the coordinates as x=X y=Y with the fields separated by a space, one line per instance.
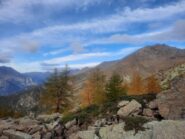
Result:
x=52 y=125
x=27 y=122
x=48 y=135
x=36 y=135
x=70 y=123
x=166 y=129
x=122 y=103
x=89 y=134
x=100 y=123
x=171 y=103
x=132 y=107
x=148 y=112
x=16 y=134
x=4 y=137
x=49 y=118
x=153 y=104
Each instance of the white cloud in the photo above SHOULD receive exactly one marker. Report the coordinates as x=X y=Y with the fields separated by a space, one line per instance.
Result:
x=62 y=34
x=20 y=10
x=117 y=21
x=84 y=65
x=56 y=52
x=176 y=34
x=61 y=61
x=75 y=57
x=5 y=57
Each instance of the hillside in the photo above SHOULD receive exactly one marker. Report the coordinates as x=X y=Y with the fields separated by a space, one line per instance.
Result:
x=146 y=61
x=12 y=81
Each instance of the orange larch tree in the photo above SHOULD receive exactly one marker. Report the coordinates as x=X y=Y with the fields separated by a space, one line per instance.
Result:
x=136 y=86
x=152 y=85
x=87 y=94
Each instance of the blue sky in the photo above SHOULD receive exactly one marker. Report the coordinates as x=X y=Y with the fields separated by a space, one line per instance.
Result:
x=39 y=35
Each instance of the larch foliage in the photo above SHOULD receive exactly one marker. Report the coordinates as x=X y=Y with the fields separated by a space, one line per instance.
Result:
x=58 y=90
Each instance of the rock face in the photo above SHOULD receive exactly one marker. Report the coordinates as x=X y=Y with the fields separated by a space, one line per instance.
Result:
x=132 y=107
x=171 y=103
x=16 y=134
x=122 y=103
x=12 y=81
x=154 y=130
x=46 y=126
x=49 y=118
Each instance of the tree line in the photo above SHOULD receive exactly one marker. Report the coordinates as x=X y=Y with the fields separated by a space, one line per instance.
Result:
x=97 y=89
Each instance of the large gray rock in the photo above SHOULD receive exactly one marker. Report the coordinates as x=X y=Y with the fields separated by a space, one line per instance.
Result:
x=89 y=134
x=122 y=103
x=49 y=118
x=167 y=129
x=16 y=134
x=171 y=103
x=132 y=107
x=154 y=130
x=148 y=112
x=70 y=123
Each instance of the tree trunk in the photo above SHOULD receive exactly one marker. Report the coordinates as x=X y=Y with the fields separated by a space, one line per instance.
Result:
x=58 y=105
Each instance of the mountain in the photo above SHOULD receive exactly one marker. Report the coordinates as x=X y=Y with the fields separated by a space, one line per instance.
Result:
x=12 y=81
x=38 y=77
x=148 y=60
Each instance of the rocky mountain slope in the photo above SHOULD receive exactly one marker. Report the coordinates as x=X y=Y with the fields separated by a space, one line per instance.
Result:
x=150 y=60
x=38 y=77
x=12 y=81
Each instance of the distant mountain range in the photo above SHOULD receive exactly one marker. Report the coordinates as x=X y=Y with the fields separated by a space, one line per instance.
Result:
x=12 y=81
x=146 y=61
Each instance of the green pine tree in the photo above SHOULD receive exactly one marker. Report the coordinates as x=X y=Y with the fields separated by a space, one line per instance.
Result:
x=115 y=88
x=58 y=90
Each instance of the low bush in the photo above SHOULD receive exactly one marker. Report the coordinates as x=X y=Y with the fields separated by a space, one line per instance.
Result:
x=135 y=123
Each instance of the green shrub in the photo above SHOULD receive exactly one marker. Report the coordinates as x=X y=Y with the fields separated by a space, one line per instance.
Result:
x=135 y=123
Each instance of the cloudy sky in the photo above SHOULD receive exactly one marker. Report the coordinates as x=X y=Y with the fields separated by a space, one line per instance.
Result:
x=38 y=35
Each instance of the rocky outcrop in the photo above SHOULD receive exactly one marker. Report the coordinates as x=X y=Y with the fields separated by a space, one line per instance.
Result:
x=12 y=134
x=166 y=129
x=171 y=103
x=47 y=118
x=45 y=127
x=130 y=108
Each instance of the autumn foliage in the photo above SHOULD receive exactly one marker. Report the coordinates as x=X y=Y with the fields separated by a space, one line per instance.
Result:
x=87 y=94
x=97 y=90
x=136 y=86
x=152 y=85
x=94 y=89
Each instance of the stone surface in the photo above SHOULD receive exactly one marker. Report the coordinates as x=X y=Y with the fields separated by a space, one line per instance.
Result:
x=166 y=129
x=122 y=103
x=70 y=123
x=49 y=118
x=148 y=112
x=153 y=104
x=4 y=137
x=132 y=107
x=89 y=134
x=171 y=103
x=16 y=134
